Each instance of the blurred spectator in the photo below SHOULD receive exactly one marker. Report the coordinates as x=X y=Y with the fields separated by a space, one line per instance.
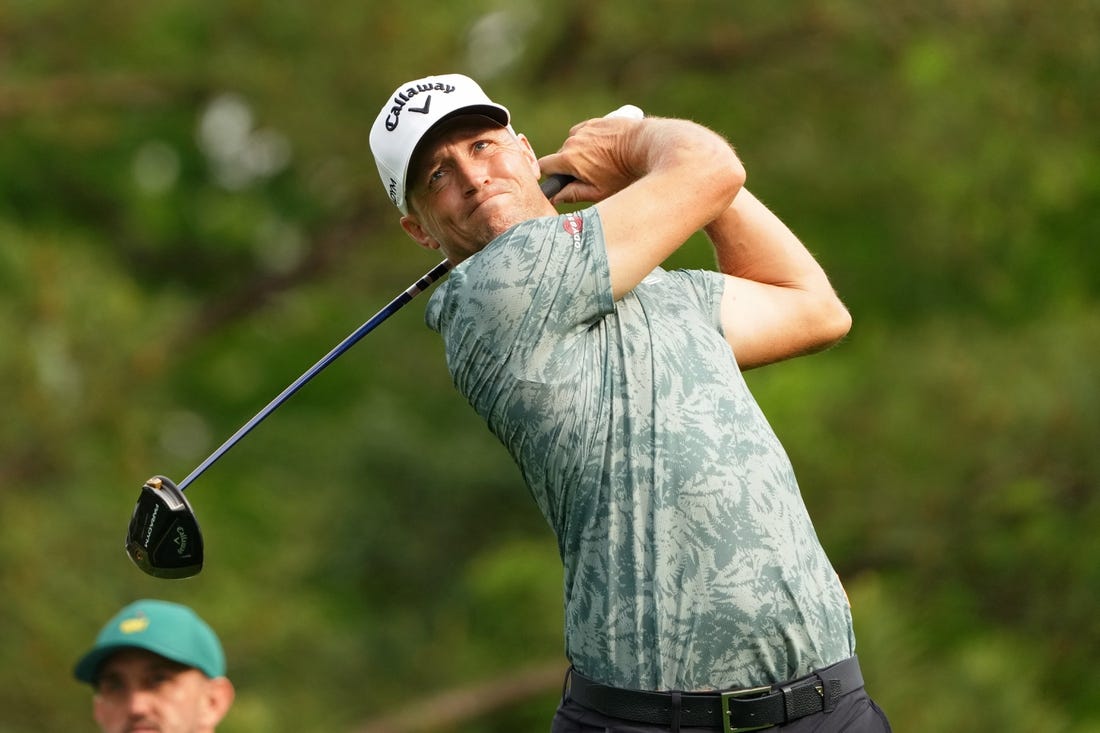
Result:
x=157 y=666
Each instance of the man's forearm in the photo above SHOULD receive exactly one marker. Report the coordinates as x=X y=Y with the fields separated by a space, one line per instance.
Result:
x=751 y=242
x=778 y=302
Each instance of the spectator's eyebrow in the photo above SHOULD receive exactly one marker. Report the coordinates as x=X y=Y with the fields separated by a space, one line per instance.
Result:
x=105 y=676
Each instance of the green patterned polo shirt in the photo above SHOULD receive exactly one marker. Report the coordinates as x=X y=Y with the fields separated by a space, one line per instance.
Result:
x=690 y=561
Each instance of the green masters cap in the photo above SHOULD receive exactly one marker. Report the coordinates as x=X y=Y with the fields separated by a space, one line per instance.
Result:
x=168 y=629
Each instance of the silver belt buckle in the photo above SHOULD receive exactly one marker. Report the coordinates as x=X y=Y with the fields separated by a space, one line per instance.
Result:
x=726 y=696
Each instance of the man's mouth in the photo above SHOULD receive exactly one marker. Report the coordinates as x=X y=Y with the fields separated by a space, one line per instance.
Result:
x=481 y=202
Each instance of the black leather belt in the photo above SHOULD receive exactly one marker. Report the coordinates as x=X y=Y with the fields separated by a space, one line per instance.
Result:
x=733 y=711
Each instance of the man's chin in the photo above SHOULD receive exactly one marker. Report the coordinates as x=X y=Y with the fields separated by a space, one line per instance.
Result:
x=496 y=218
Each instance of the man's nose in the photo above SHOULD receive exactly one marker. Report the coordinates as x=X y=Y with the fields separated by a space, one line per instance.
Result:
x=139 y=701
x=472 y=174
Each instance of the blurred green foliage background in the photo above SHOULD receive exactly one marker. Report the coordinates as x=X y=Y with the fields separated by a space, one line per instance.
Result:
x=190 y=218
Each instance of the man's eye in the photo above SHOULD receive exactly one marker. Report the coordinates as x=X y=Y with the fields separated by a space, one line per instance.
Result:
x=435 y=179
x=108 y=685
x=160 y=677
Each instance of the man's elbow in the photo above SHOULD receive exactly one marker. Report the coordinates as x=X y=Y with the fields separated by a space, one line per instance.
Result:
x=833 y=323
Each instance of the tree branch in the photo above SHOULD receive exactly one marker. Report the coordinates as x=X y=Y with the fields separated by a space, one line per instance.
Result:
x=451 y=707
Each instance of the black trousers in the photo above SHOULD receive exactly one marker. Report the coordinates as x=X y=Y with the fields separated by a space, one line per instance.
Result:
x=855 y=712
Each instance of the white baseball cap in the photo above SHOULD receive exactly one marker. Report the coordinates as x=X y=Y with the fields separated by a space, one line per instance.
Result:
x=413 y=109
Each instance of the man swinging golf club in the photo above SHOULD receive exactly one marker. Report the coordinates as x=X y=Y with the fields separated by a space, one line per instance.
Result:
x=697 y=594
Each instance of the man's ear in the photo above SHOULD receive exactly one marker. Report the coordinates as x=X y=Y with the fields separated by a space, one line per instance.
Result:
x=418 y=233
x=217 y=700
x=529 y=153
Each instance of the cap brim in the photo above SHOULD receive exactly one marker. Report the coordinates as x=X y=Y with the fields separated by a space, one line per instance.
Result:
x=86 y=669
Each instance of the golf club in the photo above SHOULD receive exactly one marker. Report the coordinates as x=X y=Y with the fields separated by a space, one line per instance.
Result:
x=163 y=538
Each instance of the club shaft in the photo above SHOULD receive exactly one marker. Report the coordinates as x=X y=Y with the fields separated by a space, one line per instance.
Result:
x=550 y=186
x=392 y=307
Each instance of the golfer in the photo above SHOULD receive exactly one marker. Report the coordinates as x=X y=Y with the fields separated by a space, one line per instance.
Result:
x=157 y=666
x=697 y=594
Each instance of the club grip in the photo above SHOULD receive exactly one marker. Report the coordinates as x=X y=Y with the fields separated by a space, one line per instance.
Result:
x=556 y=182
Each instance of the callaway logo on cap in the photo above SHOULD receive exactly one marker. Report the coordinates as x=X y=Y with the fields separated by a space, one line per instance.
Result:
x=412 y=110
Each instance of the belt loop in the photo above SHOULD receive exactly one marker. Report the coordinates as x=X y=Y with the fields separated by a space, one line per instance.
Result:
x=675 y=711
x=830 y=692
x=565 y=682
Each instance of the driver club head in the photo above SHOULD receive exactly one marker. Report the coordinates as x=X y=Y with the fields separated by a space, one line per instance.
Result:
x=164 y=538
